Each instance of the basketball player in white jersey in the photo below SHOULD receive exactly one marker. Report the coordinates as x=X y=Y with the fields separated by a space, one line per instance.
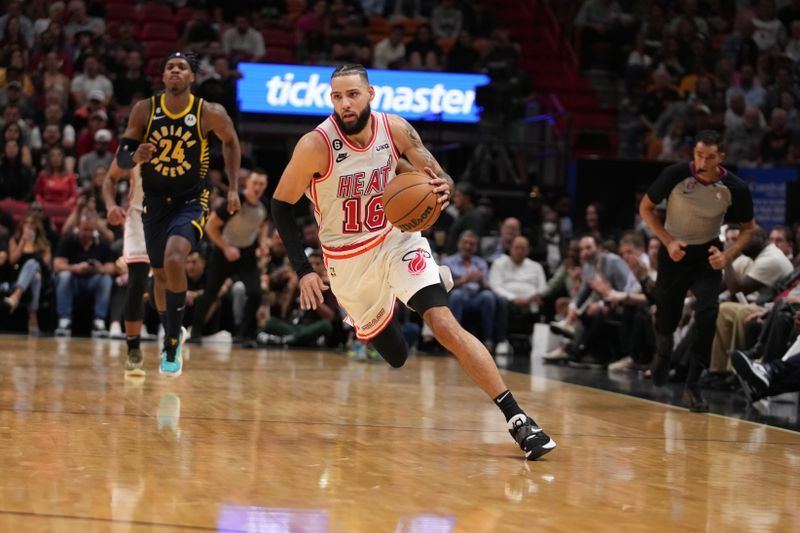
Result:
x=343 y=166
x=134 y=253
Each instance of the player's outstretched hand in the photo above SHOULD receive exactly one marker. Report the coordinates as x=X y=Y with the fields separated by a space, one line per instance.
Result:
x=717 y=259
x=144 y=153
x=116 y=216
x=441 y=187
x=311 y=287
x=233 y=202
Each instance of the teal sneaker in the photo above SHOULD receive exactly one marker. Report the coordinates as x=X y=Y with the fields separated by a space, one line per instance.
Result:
x=173 y=368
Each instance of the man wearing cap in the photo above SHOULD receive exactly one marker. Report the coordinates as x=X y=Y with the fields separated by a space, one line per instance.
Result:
x=167 y=135
x=98 y=120
x=101 y=156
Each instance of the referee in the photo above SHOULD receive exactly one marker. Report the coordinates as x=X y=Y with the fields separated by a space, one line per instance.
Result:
x=236 y=239
x=700 y=197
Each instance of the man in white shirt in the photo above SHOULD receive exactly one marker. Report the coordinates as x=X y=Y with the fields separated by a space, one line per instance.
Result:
x=243 y=42
x=390 y=52
x=90 y=80
x=517 y=281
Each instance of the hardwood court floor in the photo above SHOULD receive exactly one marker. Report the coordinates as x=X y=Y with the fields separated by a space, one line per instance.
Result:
x=307 y=441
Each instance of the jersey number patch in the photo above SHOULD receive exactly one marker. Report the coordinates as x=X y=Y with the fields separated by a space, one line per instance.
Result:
x=373 y=219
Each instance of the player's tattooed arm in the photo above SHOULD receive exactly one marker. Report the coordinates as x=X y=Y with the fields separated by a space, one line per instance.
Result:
x=410 y=145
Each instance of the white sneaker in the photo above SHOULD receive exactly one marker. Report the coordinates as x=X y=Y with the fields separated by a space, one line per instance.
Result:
x=447 y=277
x=99 y=328
x=64 y=328
x=558 y=354
x=115 y=331
x=621 y=365
x=503 y=348
x=562 y=328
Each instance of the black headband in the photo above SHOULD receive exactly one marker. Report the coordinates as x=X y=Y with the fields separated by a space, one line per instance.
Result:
x=190 y=60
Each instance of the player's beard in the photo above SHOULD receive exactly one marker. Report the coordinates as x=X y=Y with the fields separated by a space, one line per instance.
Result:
x=356 y=127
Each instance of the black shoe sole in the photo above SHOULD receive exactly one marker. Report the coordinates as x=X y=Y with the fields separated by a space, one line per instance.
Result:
x=563 y=332
x=539 y=452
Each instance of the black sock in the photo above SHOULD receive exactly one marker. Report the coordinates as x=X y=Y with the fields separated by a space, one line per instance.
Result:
x=176 y=305
x=133 y=342
x=506 y=402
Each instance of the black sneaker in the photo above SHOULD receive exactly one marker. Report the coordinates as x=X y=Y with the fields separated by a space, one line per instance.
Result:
x=693 y=398
x=660 y=370
x=752 y=375
x=530 y=437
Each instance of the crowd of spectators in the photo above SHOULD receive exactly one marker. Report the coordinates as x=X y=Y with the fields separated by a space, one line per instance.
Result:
x=690 y=65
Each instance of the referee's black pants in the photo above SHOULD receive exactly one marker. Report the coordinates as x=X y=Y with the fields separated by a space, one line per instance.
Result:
x=694 y=273
x=244 y=269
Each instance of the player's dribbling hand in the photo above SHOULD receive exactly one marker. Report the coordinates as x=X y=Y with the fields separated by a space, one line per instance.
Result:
x=676 y=250
x=440 y=186
x=311 y=287
x=717 y=259
x=144 y=153
x=233 y=202
x=116 y=216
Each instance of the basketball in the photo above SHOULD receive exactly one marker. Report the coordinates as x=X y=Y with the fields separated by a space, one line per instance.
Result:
x=410 y=203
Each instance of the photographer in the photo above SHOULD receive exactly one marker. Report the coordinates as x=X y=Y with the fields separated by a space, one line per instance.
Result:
x=504 y=103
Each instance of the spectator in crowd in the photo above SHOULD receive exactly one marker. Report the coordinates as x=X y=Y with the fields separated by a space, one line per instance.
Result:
x=310 y=32
x=758 y=283
x=469 y=217
x=390 y=52
x=496 y=246
x=601 y=21
x=781 y=236
x=600 y=272
x=220 y=86
x=101 y=156
x=463 y=57
x=79 y=19
x=56 y=185
x=743 y=140
x=29 y=254
x=749 y=86
x=652 y=105
x=422 y=53
x=89 y=80
x=447 y=20
x=769 y=34
x=243 y=42
x=55 y=13
x=16 y=178
x=778 y=147
x=471 y=291
x=313 y=324
x=199 y=32
x=13 y=133
x=792 y=49
x=12 y=95
x=53 y=73
x=783 y=83
x=762 y=379
x=133 y=84
x=54 y=114
x=24 y=24
x=517 y=281
x=83 y=264
x=51 y=138
x=86 y=140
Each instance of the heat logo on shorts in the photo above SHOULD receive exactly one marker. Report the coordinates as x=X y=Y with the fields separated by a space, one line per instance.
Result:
x=416 y=260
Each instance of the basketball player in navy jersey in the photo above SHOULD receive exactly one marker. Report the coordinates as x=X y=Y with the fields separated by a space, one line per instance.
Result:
x=167 y=135
x=343 y=166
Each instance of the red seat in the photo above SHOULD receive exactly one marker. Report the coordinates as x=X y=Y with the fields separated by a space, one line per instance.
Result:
x=158 y=31
x=152 y=12
x=119 y=11
x=158 y=49
x=280 y=55
x=153 y=70
x=183 y=15
x=277 y=38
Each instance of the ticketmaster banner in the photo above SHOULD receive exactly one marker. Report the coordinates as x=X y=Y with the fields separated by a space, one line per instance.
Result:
x=305 y=90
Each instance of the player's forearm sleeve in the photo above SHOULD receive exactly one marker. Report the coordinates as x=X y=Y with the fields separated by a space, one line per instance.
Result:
x=283 y=215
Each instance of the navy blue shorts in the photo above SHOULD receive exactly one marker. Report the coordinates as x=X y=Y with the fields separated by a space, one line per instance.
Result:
x=164 y=217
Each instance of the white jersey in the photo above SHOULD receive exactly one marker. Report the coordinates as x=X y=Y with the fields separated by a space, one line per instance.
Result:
x=348 y=198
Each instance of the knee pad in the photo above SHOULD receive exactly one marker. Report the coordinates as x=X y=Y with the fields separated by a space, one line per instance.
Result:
x=430 y=296
x=137 y=285
x=391 y=344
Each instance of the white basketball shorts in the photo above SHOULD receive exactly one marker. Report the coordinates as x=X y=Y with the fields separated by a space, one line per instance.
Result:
x=366 y=280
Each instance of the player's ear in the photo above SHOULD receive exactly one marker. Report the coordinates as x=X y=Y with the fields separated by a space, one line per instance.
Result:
x=371 y=91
